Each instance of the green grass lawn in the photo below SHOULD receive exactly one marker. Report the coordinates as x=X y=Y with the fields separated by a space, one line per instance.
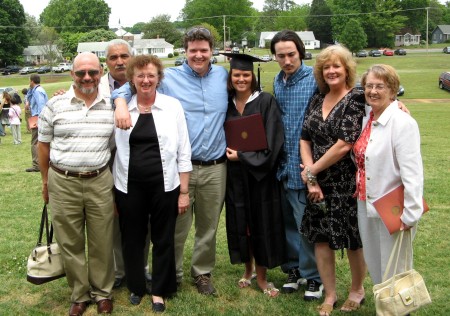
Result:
x=21 y=204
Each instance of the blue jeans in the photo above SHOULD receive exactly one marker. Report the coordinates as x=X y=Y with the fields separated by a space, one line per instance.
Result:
x=300 y=251
x=2 y=132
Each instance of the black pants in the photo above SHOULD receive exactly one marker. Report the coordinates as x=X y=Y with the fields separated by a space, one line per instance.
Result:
x=134 y=208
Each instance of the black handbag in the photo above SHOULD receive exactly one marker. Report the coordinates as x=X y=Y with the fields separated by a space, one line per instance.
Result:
x=45 y=263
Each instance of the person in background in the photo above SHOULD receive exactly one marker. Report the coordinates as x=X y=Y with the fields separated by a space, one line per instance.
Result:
x=332 y=125
x=202 y=90
x=37 y=98
x=151 y=174
x=4 y=108
x=254 y=220
x=14 y=117
x=387 y=155
x=75 y=136
x=27 y=108
x=293 y=88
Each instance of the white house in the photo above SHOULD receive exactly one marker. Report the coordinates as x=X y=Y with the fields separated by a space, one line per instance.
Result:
x=158 y=47
x=407 y=39
x=38 y=54
x=307 y=37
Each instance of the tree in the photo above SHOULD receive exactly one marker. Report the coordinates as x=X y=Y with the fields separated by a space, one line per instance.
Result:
x=353 y=36
x=13 y=38
x=161 y=27
x=238 y=16
x=48 y=39
x=99 y=35
x=319 y=21
x=68 y=42
x=32 y=29
x=294 y=19
x=138 y=28
x=76 y=15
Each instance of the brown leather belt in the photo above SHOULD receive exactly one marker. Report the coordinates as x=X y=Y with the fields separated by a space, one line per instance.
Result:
x=83 y=175
x=209 y=162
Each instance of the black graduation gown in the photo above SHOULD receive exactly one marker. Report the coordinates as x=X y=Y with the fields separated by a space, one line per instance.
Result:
x=253 y=206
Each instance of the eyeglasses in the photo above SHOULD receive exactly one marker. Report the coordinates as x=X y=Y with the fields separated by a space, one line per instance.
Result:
x=377 y=87
x=82 y=73
x=201 y=30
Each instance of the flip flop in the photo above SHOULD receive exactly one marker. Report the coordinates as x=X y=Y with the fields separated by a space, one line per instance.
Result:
x=242 y=283
x=271 y=290
x=351 y=306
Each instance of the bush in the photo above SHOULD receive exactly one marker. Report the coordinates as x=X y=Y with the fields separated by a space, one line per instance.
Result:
x=176 y=54
x=170 y=55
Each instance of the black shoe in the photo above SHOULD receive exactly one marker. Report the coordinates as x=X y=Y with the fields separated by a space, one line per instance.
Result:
x=313 y=290
x=158 y=307
x=293 y=281
x=32 y=170
x=135 y=299
x=118 y=282
x=204 y=284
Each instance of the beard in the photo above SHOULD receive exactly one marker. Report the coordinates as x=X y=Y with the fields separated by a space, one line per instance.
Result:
x=84 y=90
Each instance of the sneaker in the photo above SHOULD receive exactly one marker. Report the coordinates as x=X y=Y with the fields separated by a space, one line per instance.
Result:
x=204 y=284
x=32 y=170
x=293 y=281
x=313 y=290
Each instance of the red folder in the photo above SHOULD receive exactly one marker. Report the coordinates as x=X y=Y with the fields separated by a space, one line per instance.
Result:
x=390 y=208
x=246 y=133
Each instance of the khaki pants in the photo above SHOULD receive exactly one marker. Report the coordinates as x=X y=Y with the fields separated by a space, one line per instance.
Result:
x=83 y=208
x=207 y=192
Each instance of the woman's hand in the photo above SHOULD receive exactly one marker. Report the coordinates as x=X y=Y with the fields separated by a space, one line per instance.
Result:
x=232 y=154
x=315 y=194
x=403 y=226
x=183 y=203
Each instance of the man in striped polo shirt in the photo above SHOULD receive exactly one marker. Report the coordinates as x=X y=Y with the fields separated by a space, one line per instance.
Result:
x=75 y=130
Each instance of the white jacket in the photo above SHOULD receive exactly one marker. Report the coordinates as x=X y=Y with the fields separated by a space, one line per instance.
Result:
x=393 y=158
x=173 y=140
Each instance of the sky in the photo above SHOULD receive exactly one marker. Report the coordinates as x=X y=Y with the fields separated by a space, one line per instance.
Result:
x=132 y=11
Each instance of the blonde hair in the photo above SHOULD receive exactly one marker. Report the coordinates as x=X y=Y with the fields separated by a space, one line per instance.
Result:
x=386 y=73
x=331 y=53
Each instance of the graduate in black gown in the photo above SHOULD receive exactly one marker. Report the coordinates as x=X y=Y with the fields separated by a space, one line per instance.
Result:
x=254 y=221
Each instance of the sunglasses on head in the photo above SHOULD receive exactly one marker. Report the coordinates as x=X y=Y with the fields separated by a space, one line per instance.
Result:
x=201 y=30
x=82 y=73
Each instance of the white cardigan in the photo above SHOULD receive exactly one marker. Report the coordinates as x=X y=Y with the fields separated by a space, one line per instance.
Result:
x=173 y=140
x=393 y=158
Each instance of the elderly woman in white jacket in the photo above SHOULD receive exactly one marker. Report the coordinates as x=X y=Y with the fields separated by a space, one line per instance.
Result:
x=388 y=155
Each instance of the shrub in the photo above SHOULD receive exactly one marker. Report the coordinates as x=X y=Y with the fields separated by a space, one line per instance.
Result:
x=176 y=54
x=170 y=55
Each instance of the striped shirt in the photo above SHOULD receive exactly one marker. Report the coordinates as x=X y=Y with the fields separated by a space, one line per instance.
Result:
x=79 y=136
x=293 y=96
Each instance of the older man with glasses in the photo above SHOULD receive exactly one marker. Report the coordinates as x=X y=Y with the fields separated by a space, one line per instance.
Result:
x=75 y=130
x=202 y=91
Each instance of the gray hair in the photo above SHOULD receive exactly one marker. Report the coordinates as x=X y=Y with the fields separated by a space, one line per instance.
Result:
x=117 y=42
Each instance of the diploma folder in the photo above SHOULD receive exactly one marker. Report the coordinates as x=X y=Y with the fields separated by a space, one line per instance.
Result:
x=390 y=208
x=246 y=133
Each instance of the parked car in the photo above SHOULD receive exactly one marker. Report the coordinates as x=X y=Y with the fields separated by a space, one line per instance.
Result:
x=444 y=81
x=400 y=51
x=12 y=69
x=361 y=53
x=235 y=49
x=62 y=67
x=228 y=49
x=179 y=61
x=213 y=60
x=7 y=89
x=446 y=50
x=400 y=92
x=374 y=53
x=216 y=52
x=308 y=55
x=44 y=69
x=388 y=52
x=266 y=58
x=27 y=70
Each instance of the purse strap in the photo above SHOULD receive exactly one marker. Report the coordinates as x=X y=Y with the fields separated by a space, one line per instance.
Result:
x=395 y=253
x=48 y=232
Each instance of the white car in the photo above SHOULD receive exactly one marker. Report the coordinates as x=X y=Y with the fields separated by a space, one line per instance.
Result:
x=62 y=67
x=27 y=70
x=266 y=58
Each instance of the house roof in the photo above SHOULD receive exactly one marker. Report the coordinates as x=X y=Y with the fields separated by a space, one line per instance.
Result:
x=305 y=35
x=91 y=47
x=38 y=50
x=444 y=28
x=151 y=43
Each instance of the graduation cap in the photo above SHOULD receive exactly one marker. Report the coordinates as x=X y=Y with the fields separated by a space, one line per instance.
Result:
x=244 y=62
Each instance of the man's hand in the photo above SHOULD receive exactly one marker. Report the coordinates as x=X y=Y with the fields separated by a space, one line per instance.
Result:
x=45 y=193
x=59 y=92
x=122 y=116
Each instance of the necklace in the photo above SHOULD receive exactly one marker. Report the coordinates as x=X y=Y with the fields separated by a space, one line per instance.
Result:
x=145 y=108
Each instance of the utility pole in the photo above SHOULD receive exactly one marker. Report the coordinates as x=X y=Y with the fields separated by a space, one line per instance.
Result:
x=427 y=29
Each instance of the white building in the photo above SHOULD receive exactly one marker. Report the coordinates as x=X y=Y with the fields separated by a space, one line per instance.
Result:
x=307 y=37
x=38 y=55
